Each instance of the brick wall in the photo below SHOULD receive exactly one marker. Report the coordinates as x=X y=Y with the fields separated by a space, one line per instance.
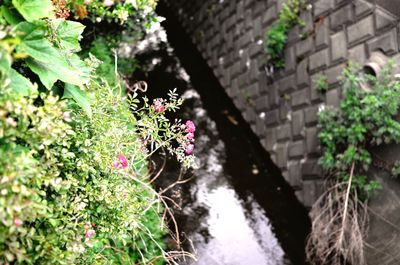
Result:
x=283 y=111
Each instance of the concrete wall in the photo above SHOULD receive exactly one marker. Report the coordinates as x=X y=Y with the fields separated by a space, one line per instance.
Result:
x=283 y=112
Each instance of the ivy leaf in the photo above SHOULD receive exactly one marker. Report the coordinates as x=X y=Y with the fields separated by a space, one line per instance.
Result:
x=49 y=63
x=69 y=33
x=80 y=97
x=34 y=9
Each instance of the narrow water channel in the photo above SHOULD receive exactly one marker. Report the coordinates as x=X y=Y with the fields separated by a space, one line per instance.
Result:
x=236 y=209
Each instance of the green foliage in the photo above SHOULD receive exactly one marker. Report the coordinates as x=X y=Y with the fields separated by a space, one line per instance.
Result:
x=124 y=19
x=119 y=11
x=46 y=46
x=321 y=83
x=364 y=119
x=276 y=40
x=276 y=36
x=80 y=97
x=18 y=83
x=49 y=62
x=396 y=169
x=62 y=178
x=73 y=170
x=67 y=34
x=102 y=49
x=34 y=9
x=290 y=12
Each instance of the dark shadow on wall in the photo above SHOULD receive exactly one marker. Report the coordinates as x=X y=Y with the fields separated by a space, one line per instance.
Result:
x=392 y=6
x=288 y=217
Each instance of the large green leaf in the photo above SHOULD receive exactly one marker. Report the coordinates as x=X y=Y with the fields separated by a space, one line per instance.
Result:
x=11 y=15
x=68 y=33
x=48 y=62
x=34 y=42
x=45 y=72
x=34 y=9
x=5 y=60
x=20 y=84
x=80 y=97
x=73 y=71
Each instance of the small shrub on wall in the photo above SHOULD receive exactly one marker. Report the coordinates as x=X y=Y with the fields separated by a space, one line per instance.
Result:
x=365 y=119
x=276 y=36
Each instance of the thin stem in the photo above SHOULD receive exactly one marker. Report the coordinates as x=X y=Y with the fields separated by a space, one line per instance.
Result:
x=346 y=204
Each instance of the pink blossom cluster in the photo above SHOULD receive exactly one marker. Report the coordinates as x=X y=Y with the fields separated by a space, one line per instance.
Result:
x=89 y=231
x=158 y=105
x=190 y=128
x=122 y=162
x=18 y=222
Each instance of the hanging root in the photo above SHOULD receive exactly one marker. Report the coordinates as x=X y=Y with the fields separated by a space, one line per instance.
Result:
x=339 y=225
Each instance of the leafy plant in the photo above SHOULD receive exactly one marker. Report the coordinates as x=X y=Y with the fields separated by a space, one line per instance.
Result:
x=126 y=20
x=47 y=47
x=276 y=40
x=112 y=11
x=366 y=118
x=74 y=179
x=64 y=177
x=321 y=83
x=276 y=36
x=396 y=169
x=102 y=49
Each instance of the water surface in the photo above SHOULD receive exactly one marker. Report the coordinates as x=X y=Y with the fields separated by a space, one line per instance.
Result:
x=236 y=209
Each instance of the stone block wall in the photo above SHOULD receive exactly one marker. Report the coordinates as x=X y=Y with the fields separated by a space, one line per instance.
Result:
x=283 y=112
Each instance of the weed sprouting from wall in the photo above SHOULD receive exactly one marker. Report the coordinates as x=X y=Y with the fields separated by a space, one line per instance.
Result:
x=276 y=36
x=365 y=119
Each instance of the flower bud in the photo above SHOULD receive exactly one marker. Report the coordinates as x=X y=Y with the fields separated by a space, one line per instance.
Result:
x=189 y=149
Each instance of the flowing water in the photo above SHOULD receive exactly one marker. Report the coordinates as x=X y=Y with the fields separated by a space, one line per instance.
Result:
x=235 y=209
x=222 y=227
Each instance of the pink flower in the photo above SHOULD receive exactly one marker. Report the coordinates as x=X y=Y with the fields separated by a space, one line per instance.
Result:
x=67 y=116
x=158 y=106
x=190 y=136
x=190 y=127
x=108 y=2
x=18 y=222
x=88 y=2
x=189 y=149
x=122 y=159
x=116 y=164
x=90 y=233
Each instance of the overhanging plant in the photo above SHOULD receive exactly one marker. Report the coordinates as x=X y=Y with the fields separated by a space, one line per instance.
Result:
x=74 y=185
